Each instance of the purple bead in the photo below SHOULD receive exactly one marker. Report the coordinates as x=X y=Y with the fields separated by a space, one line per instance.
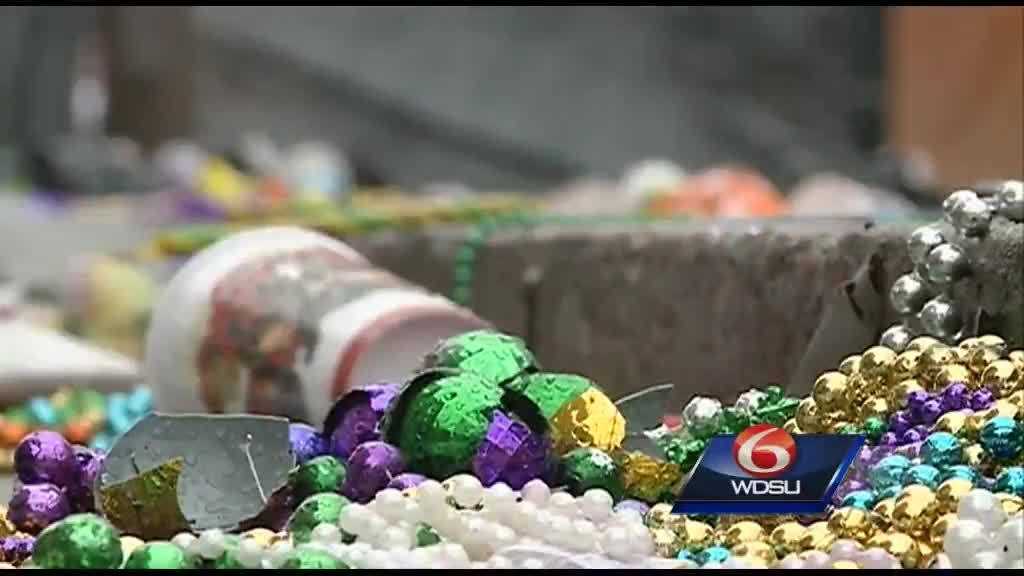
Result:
x=981 y=399
x=955 y=397
x=911 y=436
x=406 y=481
x=16 y=549
x=306 y=442
x=36 y=506
x=890 y=439
x=80 y=493
x=371 y=468
x=355 y=418
x=900 y=422
x=914 y=402
x=510 y=453
x=45 y=457
x=637 y=505
x=911 y=451
x=927 y=412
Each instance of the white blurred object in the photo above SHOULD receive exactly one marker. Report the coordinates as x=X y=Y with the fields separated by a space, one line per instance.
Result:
x=650 y=177
x=261 y=153
x=835 y=195
x=37 y=361
x=317 y=170
x=591 y=197
x=181 y=162
x=88 y=104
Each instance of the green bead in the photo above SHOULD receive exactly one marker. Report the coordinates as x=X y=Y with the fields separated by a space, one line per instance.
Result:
x=465 y=255
x=80 y=541
x=463 y=274
x=550 y=392
x=425 y=535
x=159 y=555
x=496 y=357
x=941 y=450
x=321 y=474
x=734 y=421
x=874 y=428
x=774 y=393
x=1011 y=481
x=776 y=412
x=317 y=509
x=684 y=452
x=309 y=558
x=228 y=560
x=586 y=468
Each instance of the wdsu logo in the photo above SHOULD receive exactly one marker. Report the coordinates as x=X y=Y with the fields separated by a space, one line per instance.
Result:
x=764 y=470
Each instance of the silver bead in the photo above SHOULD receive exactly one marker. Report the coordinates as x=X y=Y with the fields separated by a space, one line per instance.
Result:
x=702 y=414
x=922 y=241
x=971 y=217
x=749 y=401
x=946 y=264
x=896 y=337
x=1011 y=200
x=952 y=202
x=908 y=294
x=940 y=317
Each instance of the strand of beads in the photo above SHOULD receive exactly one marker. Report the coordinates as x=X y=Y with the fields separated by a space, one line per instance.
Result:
x=982 y=534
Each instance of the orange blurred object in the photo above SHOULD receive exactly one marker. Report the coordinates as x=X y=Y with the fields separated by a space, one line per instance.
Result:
x=79 y=431
x=11 y=433
x=729 y=192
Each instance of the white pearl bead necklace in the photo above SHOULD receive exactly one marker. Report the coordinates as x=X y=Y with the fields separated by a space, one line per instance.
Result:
x=983 y=537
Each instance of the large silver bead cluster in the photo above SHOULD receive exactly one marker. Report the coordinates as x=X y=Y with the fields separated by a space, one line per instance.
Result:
x=924 y=297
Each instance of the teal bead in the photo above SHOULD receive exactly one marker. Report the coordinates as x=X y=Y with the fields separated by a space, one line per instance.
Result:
x=1011 y=481
x=961 y=471
x=863 y=499
x=923 y=474
x=42 y=412
x=1001 y=438
x=888 y=472
x=713 y=554
x=687 y=555
x=942 y=450
x=890 y=492
x=140 y=402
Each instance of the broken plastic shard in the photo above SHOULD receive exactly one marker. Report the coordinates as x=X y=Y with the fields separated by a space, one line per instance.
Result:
x=146 y=505
x=645 y=409
x=231 y=463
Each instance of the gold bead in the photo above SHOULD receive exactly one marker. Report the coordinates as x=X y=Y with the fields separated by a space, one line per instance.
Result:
x=900 y=545
x=1012 y=504
x=827 y=422
x=755 y=552
x=926 y=553
x=1017 y=399
x=129 y=544
x=898 y=393
x=6 y=528
x=914 y=511
x=876 y=362
x=951 y=373
x=974 y=423
x=786 y=537
x=850 y=365
x=851 y=523
x=280 y=537
x=934 y=358
x=1017 y=357
x=1002 y=407
x=969 y=344
x=937 y=532
x=906 y=366
x=1001 y=377
x=981 y=357
x=952 y=422
x=792 y=427
x=260 y=536
x=818 y=537
x=884 y=508
x=745 y=531
x=921 y=343
x=695 y=534
x=667 y=543
x=845 y=565
x=659 y=516
x=807 y=415
x=875 y=406
x=829 y=391
x=949 y=493
x=858 y=390
x=994 y=342
x=974 y=454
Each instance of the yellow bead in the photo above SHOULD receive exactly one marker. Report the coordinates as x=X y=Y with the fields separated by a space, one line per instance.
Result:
x=6 y=528
x=1001 y=377
x=900 y=545
x=907 y=366
x=660 y=515
x=914 y=491
x=876 y=362
x=937 y=532
x=1011 y=503
x=260 y=536
x=926 y=553
x=280 y=537
x=952 y=373
x=792 y=427
x=667 y=543
x=755 y=552
x=694 y=534
x=845 y=565
x=1003 y=407
x=973 y=427
x=1017 y=357
x=981 y=357
x=829 y=391
x=858 y=390
x=898 y=393
x=850 y=365
x=1017 y=399
x=807 y=415
x=934 y=358
x=921 y=343
x=974 y=455
x=914 y=511
x=994 y=342
x=851 y=523
x=129 y=544
x=969 y=344
x=786 y=537
x=952 y=422
x=875 y=406
x=745 y=531
x=885 y=507
x=949 y=493
x=817 y=537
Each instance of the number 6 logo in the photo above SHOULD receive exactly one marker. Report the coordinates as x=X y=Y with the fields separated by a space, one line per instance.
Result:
x=764 y=451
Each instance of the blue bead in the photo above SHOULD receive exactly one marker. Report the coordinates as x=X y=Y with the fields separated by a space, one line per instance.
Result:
x=713 y=554
x=923 y=474
x=102 y=441
x=942 y=450
x=863 y=499
x=961 y=471
x=888 y=472
x=42 y=411
x=1011 y=480
x=1001 y=438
